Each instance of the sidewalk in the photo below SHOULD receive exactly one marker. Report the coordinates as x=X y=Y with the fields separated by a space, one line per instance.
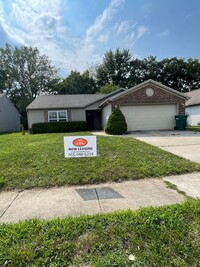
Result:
x=77 y=200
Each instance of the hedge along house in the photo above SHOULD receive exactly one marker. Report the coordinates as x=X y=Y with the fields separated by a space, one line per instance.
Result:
x=147 y=106
x=9 y=116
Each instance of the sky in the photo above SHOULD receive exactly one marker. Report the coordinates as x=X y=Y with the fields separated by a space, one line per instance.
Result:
x=75 y=34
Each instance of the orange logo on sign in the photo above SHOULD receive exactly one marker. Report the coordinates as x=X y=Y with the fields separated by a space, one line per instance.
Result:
x=80 y=142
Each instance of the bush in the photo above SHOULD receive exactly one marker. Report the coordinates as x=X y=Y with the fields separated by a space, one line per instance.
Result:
x=59 y=127
x=116 y=123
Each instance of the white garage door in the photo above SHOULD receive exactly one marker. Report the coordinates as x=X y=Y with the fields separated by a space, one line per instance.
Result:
x=150 y=117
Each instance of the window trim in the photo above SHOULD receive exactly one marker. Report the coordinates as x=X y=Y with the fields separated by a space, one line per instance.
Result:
x=57 y=115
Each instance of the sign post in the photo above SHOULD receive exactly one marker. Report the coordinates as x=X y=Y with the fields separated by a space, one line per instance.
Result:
x=80 y=146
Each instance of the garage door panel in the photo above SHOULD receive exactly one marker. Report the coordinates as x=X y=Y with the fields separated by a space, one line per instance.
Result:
x=150 y=117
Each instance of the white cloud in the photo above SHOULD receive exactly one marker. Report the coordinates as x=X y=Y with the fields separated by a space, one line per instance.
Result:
x=141 y=30
x=165 y=32
x=103 y=38
x=135 y=35
x=123 y=27
x=102 y=20
x=87 y=53
x=39 y=24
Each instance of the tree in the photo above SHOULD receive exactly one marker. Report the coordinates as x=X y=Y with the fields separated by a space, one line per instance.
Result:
x=26 y=74
x=121 y=69
x=77 y=83
x=108 y=88
x=116 y=123
x=180 y=74
x=115 y=68
x=2 y=79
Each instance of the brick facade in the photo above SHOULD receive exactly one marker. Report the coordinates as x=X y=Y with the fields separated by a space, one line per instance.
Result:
x=160 y=96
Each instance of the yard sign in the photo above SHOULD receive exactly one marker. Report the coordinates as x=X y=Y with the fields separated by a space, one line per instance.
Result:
x=80 y=146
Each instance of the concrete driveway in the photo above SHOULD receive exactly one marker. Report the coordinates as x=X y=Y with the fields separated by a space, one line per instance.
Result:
x=182 y=143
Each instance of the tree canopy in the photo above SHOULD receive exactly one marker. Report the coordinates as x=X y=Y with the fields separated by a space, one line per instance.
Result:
x=24 y=74
x=108 y=88
x=115 y=68
x=121 y=69
x=77 y=83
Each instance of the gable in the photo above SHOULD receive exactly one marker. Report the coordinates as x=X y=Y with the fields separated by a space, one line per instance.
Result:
x=138 y=95
x=148 y=93
x=7 y=105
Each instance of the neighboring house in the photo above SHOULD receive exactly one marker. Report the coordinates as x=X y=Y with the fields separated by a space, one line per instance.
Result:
x=147 y=106
x=192 y=107
x=9 y=116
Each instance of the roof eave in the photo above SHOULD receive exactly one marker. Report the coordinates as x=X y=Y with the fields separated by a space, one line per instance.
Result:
x=105 y=97
x=55 y=108
x=192 y=105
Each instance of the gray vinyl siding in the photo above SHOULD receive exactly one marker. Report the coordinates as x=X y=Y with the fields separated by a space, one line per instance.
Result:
x=9 y=116
x=35 y=116
x=78 y=115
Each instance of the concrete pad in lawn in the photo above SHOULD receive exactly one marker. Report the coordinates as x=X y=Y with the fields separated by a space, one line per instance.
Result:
x=189 y=183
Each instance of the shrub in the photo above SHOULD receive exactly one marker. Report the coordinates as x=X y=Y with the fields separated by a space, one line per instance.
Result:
x=116 y=123
x=59 y=127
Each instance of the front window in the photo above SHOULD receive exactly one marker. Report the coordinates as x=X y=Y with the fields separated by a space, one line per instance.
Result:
x=62 y=115
x=57 y=116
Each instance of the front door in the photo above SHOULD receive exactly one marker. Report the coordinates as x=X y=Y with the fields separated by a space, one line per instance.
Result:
x=93 y=118
x=90 y=120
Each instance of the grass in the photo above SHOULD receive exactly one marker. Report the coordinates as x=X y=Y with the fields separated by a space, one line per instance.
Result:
x=28 y=161
x=174 y=187
x=164 y=236
x=193 y=128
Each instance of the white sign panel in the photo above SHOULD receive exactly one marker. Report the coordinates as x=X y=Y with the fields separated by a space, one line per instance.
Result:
x=80 y=146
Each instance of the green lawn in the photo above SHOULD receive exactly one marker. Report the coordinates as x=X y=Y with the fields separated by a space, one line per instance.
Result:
x=28 y=161
x=164 y=236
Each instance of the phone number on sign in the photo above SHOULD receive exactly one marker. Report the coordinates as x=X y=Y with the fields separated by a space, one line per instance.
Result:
x=81 y=154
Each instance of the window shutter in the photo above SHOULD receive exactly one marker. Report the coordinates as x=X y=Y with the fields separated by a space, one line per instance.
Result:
x=69 y=115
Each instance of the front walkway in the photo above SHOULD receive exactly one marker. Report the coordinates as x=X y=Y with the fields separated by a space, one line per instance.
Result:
x=77 y=200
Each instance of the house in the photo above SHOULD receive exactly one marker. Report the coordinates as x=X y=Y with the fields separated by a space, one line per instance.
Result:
x=9 y=116
x=192 y=107
x=84 y=107
x=146 y=106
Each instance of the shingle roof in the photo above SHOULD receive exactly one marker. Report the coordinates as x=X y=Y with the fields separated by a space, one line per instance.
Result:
x=65 y=101
x=194 y=98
